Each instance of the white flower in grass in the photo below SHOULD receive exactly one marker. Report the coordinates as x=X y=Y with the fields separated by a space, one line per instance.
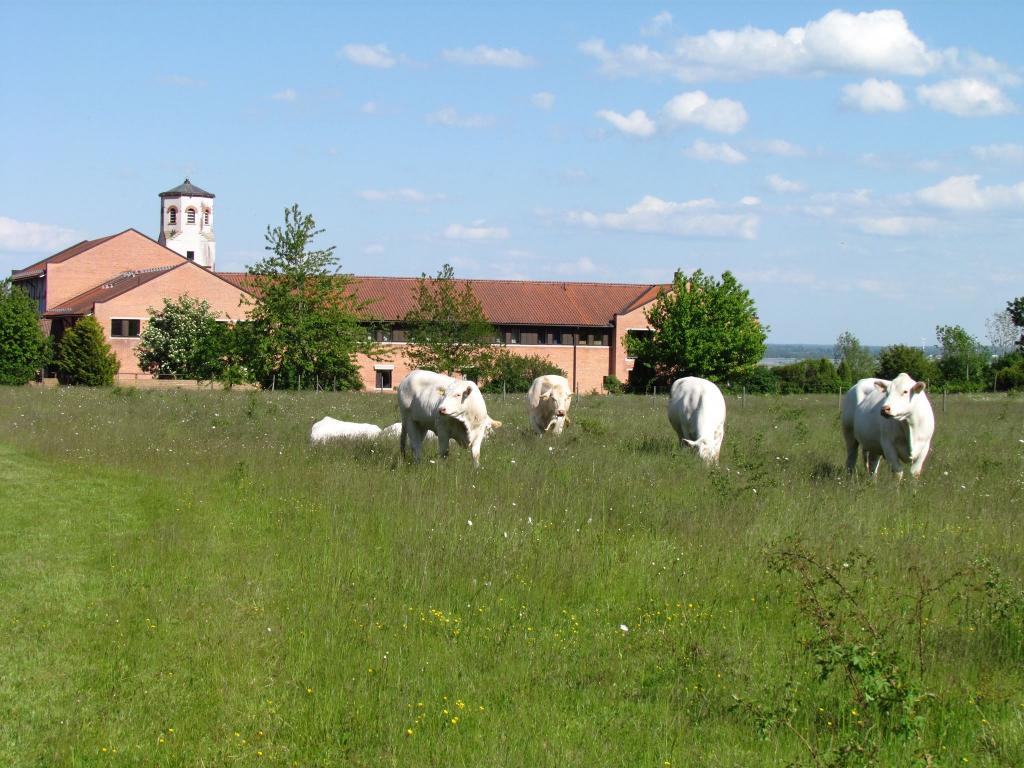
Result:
x=623 y=627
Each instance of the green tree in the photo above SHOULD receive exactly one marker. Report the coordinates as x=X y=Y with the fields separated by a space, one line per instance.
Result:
x=1015 y=308
x=854 y=360
x=964 y=360
x=510 y=372
x=84 y=357
x=182 y=339
x=901 y=358
x=700 y=327
x=810 y=376
x=448 y=332
x=23 y=347
x=304 y=323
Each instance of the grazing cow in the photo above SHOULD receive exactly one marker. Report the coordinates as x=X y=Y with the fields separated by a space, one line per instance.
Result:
x=696 y=411
x=547 y=403
x=333 y=429
x=453 y=409
x=888 y=418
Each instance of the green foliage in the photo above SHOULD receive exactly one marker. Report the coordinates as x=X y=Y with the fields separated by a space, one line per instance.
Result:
x=901 y=358
x=700 y=327
x=448 y=332
x=612 y=385
x=23 y=347
x=510 y=372
x=183 y=339
x=1015 y=309
x=84 y=357
x=761 y=380
x=304 y=324
x=807 y=376
x=1008 y=372
x=855 y=362
x=964 y=360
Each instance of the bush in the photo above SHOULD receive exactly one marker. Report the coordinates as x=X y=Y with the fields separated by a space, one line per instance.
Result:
x=900 y=358
x=612 y=385
x=84 y=357
x=1008 y=371
x=23 y=347
x=760 y=381
x=515 y=373
x=807 y=376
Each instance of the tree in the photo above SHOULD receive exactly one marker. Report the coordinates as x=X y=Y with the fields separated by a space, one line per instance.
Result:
x=855 y=361
x=510 y=372
x=304 y=323
x=811 y=376
x=84 y=357
x=901 y=358
x=1015 y=308
x=700 y=327
x=963 y=357
x=448 y=332
x=23 y=347
x=182 y=339
x=1002 y=332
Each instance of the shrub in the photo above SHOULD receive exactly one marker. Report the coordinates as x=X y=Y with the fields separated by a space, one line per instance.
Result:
x=515 y=373
x=612 y=385
x=808 y=376
x=1008 y=371
x=84 y=357
x=900 y=358
x=23 y=347
x=760 y=381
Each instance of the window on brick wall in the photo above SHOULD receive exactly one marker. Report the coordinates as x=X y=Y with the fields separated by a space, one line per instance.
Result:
x=124 y=328
x=529 y=337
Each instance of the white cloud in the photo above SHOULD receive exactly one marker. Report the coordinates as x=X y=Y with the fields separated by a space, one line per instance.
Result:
x=29 y=237
x=780 y=184
x=636 y=123
x=485 y=56
x=373 y=249
x=376 y=56
x=476 y=231
x=405 y=194
x=697 y=108
x=896 y=226
x=450 y=116
x=965 y=97
x=828 y=204
x=779 y=148
x=543 y=100
x=999 y=153
x=962 y=193
x=874 y=96
x=370 y=108
x=658 y=24
x=778 y=276
x=722 y=153
x=580 y=267
x=750 y=200
x=876 y=41
x=288 y=94
x=693 y=218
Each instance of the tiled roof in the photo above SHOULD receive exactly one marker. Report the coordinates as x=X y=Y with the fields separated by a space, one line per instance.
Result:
x=505 y=302
x=186 y=189
x=83 y=303
x=40 y=266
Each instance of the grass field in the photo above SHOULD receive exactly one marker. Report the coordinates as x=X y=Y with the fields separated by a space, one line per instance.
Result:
x=185 y=582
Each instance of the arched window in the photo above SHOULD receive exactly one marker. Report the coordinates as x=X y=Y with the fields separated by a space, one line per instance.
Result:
x=206 y=217
x=172 y=215
x=190 y=216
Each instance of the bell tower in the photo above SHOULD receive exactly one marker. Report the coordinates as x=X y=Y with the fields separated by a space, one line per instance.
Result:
x=186 y=223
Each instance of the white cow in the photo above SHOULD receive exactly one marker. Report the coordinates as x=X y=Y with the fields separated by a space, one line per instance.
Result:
x=453 y=409
x=333 y=429
x=888 y=418
x=547 y=403
x=696 y=411
x=394 y=431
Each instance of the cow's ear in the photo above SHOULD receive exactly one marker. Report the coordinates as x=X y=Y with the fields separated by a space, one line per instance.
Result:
x=468 y=391
x=919 y=387
x=882 y=385
x=691 y=443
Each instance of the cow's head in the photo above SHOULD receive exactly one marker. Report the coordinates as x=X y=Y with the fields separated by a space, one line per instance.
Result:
x=705 y=448
x=899 y=395
x=559 y=399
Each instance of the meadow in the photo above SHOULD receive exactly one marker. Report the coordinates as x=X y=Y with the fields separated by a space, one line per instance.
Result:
x=184 y=581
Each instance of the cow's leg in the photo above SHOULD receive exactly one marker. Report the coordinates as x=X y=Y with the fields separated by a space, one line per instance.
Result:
x=893 y=458
x=474 y=449
x=415 y=440
x=851 y=450
x=917 y=463
x=443 y=439
x=403 y=438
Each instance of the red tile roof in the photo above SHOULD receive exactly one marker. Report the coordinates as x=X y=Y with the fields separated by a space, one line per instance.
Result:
x=505 y=302
x=40 y=266
x=83 y=303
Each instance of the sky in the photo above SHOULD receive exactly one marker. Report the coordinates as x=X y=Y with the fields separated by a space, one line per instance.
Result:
x=858 y=167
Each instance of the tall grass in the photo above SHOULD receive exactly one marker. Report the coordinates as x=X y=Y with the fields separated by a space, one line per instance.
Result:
x=185 y=581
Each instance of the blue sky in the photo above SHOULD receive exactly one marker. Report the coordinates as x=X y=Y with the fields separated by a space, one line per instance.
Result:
x=859 y=167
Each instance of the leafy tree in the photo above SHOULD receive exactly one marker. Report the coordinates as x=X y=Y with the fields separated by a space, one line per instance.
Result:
x=304 y=322
x=1015 y=308
x=448 y=332
x=182 y=339
x=760 y=380
x=84 y=357
x=812 y=376
x=901 y=358
x=855 y=361
x=1008 y=371
x=23 y=347
x=515 y=373
x=964 y=359
x=699 y=327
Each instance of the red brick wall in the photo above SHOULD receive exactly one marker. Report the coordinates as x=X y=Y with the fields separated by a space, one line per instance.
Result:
x=623 y=323
x=126 y=251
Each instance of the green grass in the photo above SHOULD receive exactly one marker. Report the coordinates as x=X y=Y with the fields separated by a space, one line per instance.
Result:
x=185 y=581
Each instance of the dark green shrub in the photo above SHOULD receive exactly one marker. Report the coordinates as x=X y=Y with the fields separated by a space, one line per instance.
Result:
x=807 y=376
x=760 y=381
x=515 y=373
x=84 y=357
x=612 y=385
x=23 y=347
x=900 y=358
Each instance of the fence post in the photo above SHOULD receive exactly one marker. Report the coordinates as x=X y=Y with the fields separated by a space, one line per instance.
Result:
x=743 y=402
x=943 y=398
x=273 y=381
